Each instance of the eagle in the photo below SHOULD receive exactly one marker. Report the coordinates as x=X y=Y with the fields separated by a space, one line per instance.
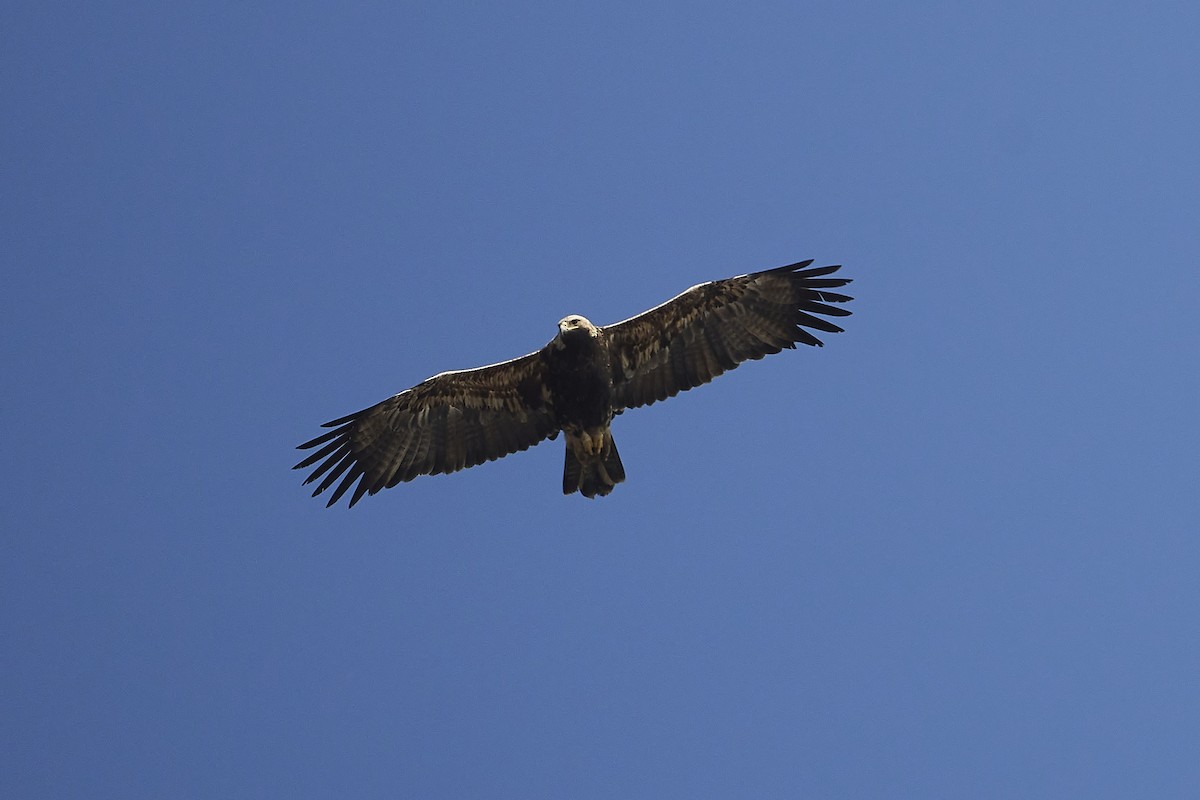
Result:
x=576 y=384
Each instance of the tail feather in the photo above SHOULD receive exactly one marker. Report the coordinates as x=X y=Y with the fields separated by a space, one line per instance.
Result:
x=592 y=475
x=572 y=472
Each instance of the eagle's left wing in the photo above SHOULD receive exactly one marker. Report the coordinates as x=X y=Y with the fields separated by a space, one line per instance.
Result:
x=713 y=327
x=446 y=423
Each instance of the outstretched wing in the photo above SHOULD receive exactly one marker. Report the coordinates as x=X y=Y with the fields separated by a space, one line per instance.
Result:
x=449 y=422
x=713 y=327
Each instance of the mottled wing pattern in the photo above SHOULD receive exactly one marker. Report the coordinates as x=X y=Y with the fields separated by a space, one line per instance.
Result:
x=713 y=327
x=449 y=422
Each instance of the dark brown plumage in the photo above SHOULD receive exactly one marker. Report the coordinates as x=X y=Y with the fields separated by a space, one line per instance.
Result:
x=575 y=384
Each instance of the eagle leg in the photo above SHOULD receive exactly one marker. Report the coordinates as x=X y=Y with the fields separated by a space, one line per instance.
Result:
x=593 y=466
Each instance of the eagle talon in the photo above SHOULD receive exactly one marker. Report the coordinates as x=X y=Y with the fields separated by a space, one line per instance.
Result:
x=596 y=443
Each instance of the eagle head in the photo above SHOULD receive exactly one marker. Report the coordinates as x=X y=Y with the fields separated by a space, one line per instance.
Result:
x=574 y=327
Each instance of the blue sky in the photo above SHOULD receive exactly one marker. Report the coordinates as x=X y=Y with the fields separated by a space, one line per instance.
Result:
x=952 y=553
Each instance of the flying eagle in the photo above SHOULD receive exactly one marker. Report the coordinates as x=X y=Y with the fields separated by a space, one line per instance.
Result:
x=575 y=384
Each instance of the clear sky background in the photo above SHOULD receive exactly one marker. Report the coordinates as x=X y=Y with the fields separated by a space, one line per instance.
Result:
x=954 y=553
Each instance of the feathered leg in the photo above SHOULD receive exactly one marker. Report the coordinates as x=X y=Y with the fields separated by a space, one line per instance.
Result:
x=593 y=465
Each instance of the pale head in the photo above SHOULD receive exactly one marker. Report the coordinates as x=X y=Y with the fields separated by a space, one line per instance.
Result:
x=575 y=325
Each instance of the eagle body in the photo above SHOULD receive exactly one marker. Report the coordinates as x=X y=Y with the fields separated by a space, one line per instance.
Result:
x=579 y=375
x=579 y=380
x=576 y=384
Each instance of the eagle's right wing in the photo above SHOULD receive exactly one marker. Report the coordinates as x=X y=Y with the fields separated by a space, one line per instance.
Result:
x=449 y=422
x=713 y=327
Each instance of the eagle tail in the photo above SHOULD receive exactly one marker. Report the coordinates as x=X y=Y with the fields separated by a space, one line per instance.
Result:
x=589 y=473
